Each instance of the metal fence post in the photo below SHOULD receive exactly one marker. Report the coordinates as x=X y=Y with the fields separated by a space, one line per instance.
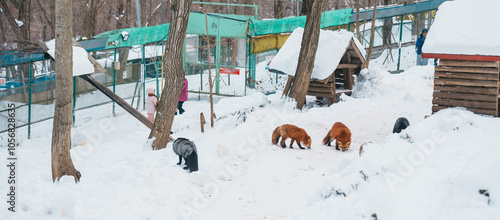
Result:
x=114 y=79
x=143 y=78
x=217 y=63
x=400 y=39
x=29 y=100
x=74 y=99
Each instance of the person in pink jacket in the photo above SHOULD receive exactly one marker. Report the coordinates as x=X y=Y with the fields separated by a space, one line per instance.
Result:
x=151 y=103
x=183 y=97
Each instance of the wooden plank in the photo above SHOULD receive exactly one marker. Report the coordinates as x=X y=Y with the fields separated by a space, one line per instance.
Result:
x=466 y=104
x=122 y=103
x=466 y=96
x=486 y=70
x=466 y=89
x=468 y=63
x=320 y=89
x=465 y=82
x=478 y=76
x=347 y=65
x=287 y=86
x=317 y=83
x=436 y=108
x=321 y=94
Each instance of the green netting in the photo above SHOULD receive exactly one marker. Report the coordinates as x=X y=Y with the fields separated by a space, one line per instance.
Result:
x=230 y=26
x=137 y=36
x=287 y=25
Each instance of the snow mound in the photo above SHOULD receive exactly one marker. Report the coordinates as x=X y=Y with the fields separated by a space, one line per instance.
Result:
x=331 y=47
x=455 y=29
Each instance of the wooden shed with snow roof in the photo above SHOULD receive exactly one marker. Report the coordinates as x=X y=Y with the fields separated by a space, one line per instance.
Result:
x=469 y=60
x=339 y=57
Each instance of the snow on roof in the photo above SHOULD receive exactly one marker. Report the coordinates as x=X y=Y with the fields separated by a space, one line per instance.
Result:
x=81 y=62
x=465 y=27
x=332 y=46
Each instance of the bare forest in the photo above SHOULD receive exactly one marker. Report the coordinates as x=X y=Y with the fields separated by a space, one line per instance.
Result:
x=23 y=23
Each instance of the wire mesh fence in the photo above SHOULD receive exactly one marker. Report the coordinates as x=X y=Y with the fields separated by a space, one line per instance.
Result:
x=30 y=86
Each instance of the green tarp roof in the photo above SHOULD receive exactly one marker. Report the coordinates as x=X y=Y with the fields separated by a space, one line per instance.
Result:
x=287 y=25
x=228 y=26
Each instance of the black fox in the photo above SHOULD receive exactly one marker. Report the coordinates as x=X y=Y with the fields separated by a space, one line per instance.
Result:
x=186 y=149
x=401 y=124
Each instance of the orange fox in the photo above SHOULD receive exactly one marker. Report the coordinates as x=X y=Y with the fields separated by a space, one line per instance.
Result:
x=341 y=134
x=291 y=131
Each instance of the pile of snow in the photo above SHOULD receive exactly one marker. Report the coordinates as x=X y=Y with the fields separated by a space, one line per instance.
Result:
x=331 y=47
x=456 y=31
x=434 y=169
x=81 y=62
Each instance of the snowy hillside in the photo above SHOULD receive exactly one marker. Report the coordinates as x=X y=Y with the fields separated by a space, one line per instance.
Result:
x=433 y=170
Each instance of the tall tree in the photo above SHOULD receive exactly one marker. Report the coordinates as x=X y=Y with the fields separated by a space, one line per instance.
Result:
x=124 y=10
x=372 y=34
x=174 y=74
x=418 y=23
x=358 y=34
x=61 y=132
x=21 y=25
x=307 y=53
x=387 y=27
x=90 y=19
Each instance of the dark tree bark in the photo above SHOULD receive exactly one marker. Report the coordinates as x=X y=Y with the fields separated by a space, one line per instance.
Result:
x=387 y=28
x=372 y=34
x=124 y=10
x=61 y=132
x=25 y=17
x=89 y=22
x=174 y=74
x=48 y=25
x=418 y=23
x=307 y=53
x=278 y=9
x=304 y=10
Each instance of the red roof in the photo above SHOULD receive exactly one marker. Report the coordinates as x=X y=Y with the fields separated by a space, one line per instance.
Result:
x=461 y=57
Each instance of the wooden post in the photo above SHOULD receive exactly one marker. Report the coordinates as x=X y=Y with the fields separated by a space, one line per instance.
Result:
x=287 y=86
x=202 y=122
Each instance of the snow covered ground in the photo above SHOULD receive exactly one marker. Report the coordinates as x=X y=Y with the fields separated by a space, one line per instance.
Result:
x=433 y=170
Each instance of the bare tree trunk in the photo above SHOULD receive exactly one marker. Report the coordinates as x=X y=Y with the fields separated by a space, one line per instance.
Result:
x=372 y=34
x=124 y=10
x=357 y=22
x=387 y=28
x=418 y=23
x=305 y=9
x=307 y=53
x=278 y=9
x=25 y=17
x=61 y=133
x=210 y=82
x=174 y=74
x=89 y=22
x=48 y=22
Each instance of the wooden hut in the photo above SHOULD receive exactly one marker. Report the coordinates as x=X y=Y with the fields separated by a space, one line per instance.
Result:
x=468 y=73
x=335 y=69
x=472 y=84
x=340 y=81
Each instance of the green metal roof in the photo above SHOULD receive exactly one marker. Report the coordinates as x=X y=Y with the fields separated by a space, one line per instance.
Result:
x=137 y=36
x=287 y=25
x=230 y=26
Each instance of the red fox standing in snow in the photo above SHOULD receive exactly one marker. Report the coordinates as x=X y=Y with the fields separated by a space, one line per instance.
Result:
x=341 y=134
x=291 y=131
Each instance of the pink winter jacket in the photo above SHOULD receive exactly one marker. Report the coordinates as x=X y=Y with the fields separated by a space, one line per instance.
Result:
x=184 y=94
x=151 y=100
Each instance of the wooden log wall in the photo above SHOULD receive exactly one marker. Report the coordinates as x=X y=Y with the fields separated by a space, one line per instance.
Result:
x=470 y=84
